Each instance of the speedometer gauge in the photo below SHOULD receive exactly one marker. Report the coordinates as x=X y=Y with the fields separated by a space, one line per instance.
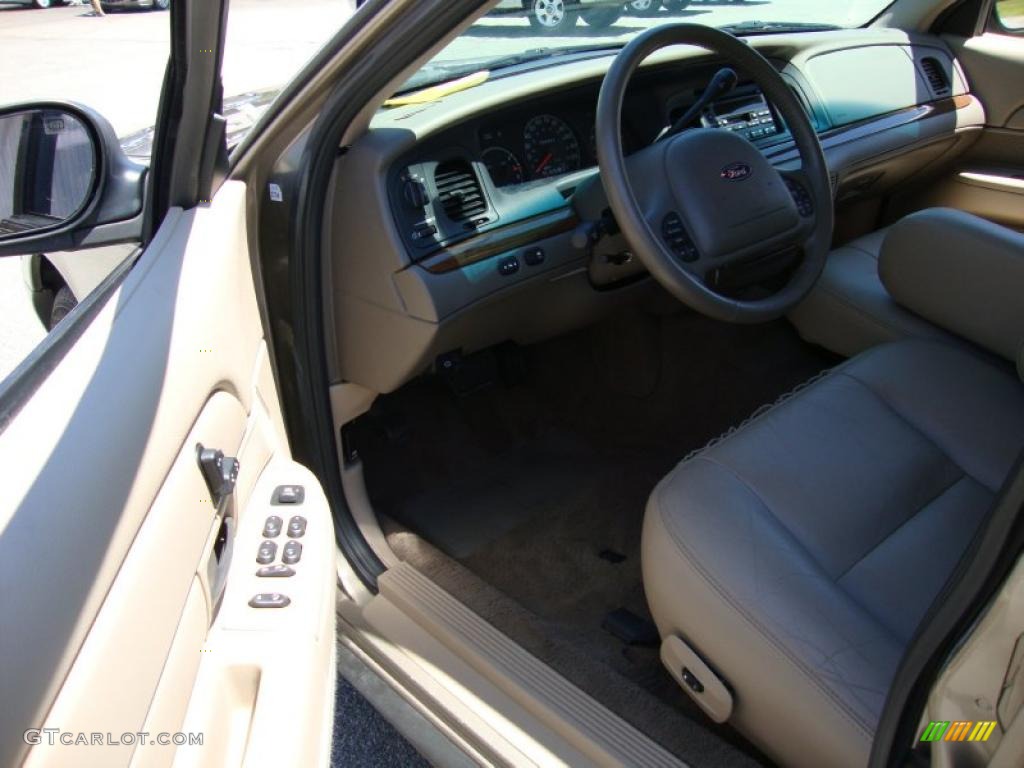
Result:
x=504 y=167
x=551 y=147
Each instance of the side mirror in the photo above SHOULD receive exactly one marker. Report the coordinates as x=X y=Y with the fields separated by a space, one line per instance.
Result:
x=64 y=180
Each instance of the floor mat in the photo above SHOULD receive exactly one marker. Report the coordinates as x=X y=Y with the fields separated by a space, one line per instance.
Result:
x=508 y=497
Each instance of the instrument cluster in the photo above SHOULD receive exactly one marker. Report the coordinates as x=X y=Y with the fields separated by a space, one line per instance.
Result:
x=541 y=146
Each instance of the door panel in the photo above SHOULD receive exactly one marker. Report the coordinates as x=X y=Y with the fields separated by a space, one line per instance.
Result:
x=107 y=530
x=989 y=179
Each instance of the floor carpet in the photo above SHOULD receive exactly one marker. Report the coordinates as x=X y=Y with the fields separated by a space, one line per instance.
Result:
x=524 y=497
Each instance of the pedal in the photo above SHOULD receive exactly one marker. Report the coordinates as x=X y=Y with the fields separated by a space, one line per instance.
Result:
x=630 y=628
x=465 y=375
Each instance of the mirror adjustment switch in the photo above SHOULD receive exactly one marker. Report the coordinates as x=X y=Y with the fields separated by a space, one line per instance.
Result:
x=288 y=494
x=292 y=553
x=270 y=600
x=272 y=528
x=276 y=571
x=297 y=527
x=266 y=553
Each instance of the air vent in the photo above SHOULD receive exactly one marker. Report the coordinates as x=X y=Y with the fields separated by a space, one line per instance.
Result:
x=936 y=74
x=458 y=191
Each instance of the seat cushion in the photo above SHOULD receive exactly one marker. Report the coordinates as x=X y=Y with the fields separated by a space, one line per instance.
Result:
x=849 y=310
x=798 y=554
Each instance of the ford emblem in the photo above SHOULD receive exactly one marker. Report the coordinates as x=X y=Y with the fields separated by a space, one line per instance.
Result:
x=736 y=172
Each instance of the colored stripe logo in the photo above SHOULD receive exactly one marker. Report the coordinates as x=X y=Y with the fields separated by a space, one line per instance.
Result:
x=958 y=730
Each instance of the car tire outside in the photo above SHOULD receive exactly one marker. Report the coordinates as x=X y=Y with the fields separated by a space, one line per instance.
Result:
x=675 y=6
x=42 y=3
x=161 y=5
x=63 y=303
x=550 y=17
x=644 y=7
x=599 y=18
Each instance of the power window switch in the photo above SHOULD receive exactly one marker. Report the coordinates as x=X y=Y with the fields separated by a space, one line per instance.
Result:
x=288 y=495
x=270 y=600
x=292 y=553
x=272 y=528
x=297 y=527
x=266 y=553
x=276 y=571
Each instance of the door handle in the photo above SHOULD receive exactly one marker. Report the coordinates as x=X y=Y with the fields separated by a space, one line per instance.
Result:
x=220 y=473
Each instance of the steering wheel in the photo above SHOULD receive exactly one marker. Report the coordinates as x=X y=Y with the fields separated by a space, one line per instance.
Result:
x=704 y=210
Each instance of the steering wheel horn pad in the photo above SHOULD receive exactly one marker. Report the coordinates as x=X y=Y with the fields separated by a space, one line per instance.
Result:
x=734 y=204
x=730 y=197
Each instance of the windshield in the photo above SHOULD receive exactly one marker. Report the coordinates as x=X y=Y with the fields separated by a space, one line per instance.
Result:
x=519 y=31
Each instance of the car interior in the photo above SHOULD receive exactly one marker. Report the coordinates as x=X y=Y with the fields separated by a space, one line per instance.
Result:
x=724 y=517
x=651 y=401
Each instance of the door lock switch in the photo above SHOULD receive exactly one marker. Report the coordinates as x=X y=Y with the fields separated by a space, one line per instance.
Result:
x=287 y=495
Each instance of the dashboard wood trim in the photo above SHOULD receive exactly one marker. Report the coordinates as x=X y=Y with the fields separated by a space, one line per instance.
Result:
x=835 y=137
x=517 y=235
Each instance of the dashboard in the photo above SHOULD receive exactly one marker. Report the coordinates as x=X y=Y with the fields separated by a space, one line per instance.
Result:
x=465 y=222
x=495 y=169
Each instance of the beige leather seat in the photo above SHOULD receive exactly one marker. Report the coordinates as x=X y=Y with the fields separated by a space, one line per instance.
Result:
x=849 y=309
x=798 y=554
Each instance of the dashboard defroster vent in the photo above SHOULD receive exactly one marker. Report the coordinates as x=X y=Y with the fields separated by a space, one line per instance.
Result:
x=458 y=190
x=938 y=81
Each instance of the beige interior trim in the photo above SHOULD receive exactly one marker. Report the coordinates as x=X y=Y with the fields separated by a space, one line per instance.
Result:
x=367 y=653
x=264 y=691
x=527 y=713
x=995 y=181
x=977 y=683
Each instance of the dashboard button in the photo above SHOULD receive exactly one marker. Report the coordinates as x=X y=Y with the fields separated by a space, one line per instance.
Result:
x=533 y=256
x=508 y=265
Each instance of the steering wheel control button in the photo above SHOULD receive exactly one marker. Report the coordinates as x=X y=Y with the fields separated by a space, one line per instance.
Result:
x=270 y=600
x=508 y=265
x=272 y=528
x=276 y=571
x=533 y=257
x=288 y=494
x=677 y=238
x=292 y=553
x=266 y=553
x=800 y=197
x=297 y=527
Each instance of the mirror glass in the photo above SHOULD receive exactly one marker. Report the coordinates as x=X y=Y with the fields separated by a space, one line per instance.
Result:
x=47 y=169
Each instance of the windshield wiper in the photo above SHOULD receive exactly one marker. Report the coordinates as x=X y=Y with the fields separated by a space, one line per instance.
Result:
x=433 y=74
x=755 y=27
